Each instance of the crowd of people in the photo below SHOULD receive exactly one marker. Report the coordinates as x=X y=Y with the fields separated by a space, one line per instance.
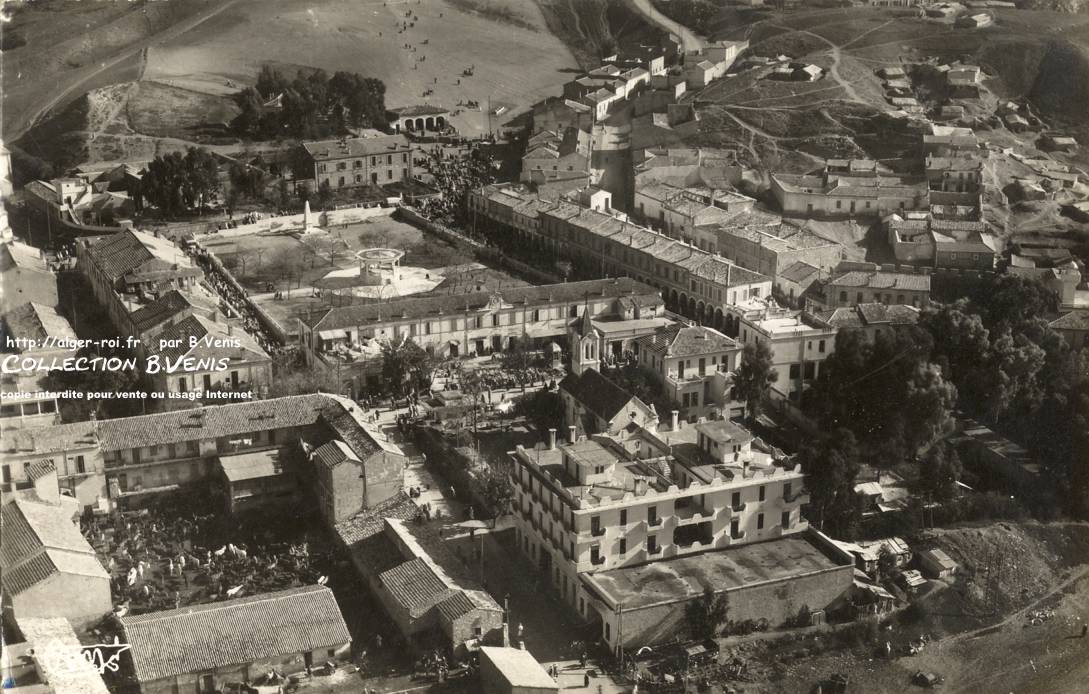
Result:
x=165 y=557
x=236 y=299
x=454 y=174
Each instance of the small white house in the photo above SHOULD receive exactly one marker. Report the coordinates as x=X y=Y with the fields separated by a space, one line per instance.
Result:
x=937 y=564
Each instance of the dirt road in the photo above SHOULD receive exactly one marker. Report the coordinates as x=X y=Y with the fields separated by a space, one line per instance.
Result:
x=689 y=40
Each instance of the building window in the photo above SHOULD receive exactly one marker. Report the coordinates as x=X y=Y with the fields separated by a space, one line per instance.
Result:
x=389 y=159
x=785 y=520
x=574 y=311
x=495 y=320
x=786 y=490
x=760 y=521
x=652 y=544
x=763 y=492
x=795 y=371
x=820 y=346
x=623 y=546
x=623 y=516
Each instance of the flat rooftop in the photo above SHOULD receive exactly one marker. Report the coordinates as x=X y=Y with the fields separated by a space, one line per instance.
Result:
x=674 y=580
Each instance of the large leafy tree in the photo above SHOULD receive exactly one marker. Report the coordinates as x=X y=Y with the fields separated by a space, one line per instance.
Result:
x=831 y=467
x=177 y=182
x=753 y=377
x=406 y=367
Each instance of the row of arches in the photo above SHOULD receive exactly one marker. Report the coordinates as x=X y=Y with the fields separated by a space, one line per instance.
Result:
x=419 y=124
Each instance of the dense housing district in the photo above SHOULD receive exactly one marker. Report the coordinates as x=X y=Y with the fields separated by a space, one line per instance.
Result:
x=584 y=388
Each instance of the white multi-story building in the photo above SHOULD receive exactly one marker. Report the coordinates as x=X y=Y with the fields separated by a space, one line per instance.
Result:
x=646 y=494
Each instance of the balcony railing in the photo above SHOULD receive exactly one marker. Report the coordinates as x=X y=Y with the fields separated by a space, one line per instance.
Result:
x=597 y=532
x=654 y=523
x=598 y=560
x=656 y=549
x=739 y=535
x=739 y=508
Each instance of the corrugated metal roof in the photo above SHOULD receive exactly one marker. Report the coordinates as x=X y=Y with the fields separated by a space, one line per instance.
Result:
x=204 y=637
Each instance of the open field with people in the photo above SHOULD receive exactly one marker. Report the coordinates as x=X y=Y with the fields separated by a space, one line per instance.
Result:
x=187 y=66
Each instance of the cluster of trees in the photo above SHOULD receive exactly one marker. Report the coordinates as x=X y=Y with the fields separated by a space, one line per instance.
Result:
x=313 y=104
x=885 y=391
x=176 y=182
x=990 y=355
x=1017 y=374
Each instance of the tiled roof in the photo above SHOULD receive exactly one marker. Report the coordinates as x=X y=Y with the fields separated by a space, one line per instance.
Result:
x=798 y=272
x=40 y=469
x=685 y=341
x=724 y=273
x=166 y=307
x=455 y=606
x=916 y=282
x=415 y=586
x=140 y=254
x=870 y=314
x=420 y=110
x=37 y=322
x=597 y=394
x=334 y=453
x=356 y=147
x=371 y=522
x=61 y=437
x=239 y=418
x=211 y=340
x=204 y=637
x=1075 y=320
x=414 y=309
x=31 y=526
x=37 y=569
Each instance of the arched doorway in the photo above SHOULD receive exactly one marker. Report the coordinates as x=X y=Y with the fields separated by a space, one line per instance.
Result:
x=720 y=322
x=683 y=306
x=440 y=122
x=692 y=308
x=699 y=312
x=419 y=123
x=429 y=123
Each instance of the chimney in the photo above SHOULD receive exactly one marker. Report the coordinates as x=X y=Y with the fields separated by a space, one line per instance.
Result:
x=675 y=420
x=571 y=434
x=552 y=439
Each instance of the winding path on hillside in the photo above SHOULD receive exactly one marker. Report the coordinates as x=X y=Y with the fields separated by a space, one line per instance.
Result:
x=689 y=39
x=15 y=130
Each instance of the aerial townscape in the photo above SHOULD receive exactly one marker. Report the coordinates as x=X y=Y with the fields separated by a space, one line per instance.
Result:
x=528 y=346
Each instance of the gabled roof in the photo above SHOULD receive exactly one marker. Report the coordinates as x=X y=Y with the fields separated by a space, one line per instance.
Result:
x=246 y=630
x=334 y=453
x=598 y=394
x=415 y=586
x=139 y=256
x=916 y=282
x=41 y=540
x=213 y=340
x=166 y=307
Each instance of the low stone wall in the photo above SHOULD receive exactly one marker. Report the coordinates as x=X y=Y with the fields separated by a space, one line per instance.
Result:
x=294 y=222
